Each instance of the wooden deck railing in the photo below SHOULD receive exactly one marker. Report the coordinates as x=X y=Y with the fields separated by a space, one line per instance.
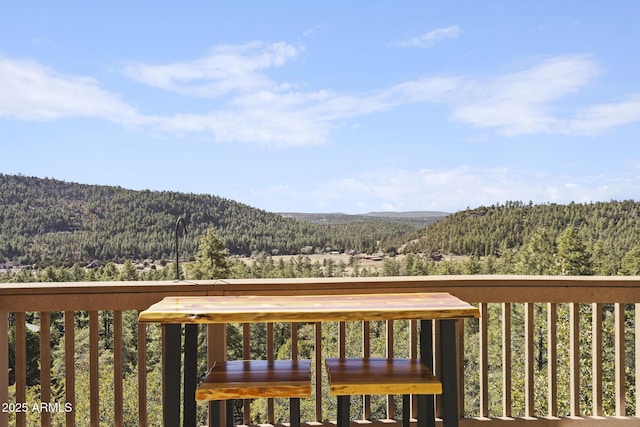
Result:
x=548 y=351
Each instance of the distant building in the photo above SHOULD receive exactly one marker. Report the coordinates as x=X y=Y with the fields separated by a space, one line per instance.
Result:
x=92 y=264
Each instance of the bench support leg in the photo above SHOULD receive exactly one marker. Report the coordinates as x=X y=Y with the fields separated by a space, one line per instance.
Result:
x=229 y=410
x=214 y=413
x=294 y=412
x=426 y=403
x=344 y=411
x=190 y=374
x=426 y=415
x=449 y=373
x=171 y=374
x=406 y=410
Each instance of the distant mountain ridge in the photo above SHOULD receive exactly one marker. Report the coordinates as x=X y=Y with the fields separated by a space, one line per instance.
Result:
x=408 y=214
x=416 y=219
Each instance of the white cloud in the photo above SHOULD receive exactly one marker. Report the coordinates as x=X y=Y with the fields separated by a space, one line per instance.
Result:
x=310 y=31
x=225 y=70
x=599 y=118
x=265 y=127
x=252 y=108
x=449 y=190
x=404 y=189
x=513 y=104
x=295 y=118
x=430 y=38
x=521 y=103
x=30 y=91
x=328 y=106
x=455 y=189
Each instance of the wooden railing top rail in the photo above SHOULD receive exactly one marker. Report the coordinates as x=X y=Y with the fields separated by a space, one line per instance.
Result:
x=88 y=296
x=476 y=288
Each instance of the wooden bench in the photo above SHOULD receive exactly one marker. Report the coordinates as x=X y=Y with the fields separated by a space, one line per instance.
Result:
x=249 y=379
x=366 y=376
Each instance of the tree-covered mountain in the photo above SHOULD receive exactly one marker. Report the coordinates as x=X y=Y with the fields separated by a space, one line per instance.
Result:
x=613 y=228
x=52 y=222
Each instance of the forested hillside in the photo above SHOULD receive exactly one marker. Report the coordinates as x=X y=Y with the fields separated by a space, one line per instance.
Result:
x=611 y=228
x=52 y=222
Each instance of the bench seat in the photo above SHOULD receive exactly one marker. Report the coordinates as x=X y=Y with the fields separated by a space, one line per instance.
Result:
x=248 y=379
x=353 y=376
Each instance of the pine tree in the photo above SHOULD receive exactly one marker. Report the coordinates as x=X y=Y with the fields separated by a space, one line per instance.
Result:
x=631 y=262
x=573 y=257
x=212 y=259
x=538 y=254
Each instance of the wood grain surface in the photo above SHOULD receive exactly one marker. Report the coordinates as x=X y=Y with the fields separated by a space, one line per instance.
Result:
x=354 y=376
x=307 y=308
x=247 y=379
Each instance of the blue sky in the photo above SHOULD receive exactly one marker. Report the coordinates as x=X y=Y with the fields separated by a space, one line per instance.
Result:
x=328 y=106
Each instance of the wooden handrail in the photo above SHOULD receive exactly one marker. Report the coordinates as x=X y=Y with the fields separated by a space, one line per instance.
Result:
x=502 y=294
x=476 y=288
